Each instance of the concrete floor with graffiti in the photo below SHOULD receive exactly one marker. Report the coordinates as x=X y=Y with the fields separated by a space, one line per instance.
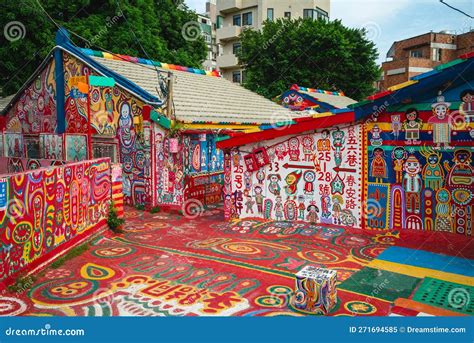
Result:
x=165 y=264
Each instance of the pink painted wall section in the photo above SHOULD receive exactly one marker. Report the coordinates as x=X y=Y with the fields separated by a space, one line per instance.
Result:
x=9 y=165
x=46 y=211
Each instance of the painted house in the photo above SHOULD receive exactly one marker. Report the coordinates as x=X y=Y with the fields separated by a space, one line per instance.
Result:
x=312 y=100
x=402 y=159
x=160 y=121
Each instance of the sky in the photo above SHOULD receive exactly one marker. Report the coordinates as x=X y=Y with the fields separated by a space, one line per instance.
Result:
x=388 y=21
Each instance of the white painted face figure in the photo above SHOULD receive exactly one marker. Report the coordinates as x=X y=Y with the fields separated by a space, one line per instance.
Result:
x=441 y=111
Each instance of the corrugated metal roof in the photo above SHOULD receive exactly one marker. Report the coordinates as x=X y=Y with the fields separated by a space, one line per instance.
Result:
x=201 y=98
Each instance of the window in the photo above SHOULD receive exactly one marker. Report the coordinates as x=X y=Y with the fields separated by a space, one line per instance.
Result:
x=321 y=14
x=416 y=53
x=308 y=13
x=32 y=147
x=436 y=54
x=288 y=15
x=237 y=21
x=236 y=48
x=270 y=14
x=247 y=18
x=104 y=150
x=236 y=76
x=220 y=20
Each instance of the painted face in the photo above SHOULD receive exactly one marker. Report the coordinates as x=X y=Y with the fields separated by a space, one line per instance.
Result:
x=432 y=159
x=378 y=153
x=468 y=97
x=399 y=153
x=412 y=167
x=441 y=111
x=462 y=156
x=411 y=116
x=258 y=190
x=294 y=143
x=290 y=179
x=309 y=176
x=396 y=118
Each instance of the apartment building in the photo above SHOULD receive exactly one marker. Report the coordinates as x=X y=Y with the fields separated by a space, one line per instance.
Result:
x=208 y=32
x=416 y=55
x=235 y=15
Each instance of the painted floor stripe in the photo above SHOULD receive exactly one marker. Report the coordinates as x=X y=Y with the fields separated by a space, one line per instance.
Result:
x=425 y=259
x=421 y=272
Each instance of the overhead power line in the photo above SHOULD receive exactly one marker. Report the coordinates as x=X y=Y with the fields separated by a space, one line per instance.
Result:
x=456 y=9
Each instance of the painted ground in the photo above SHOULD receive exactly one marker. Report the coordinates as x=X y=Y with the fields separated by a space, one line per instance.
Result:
x=168 y=265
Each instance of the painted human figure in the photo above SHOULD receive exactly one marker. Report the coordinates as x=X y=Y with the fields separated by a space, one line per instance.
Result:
x=294 y=149
x=309 y=176
x=462 y=172
x=376 y=139
x=279 y=208
x=247 y=181
x=337 y=202
x=441 y=122
x=281 y=151
x=308 y=145
x=338 y=142
x=443 y=220
x=399 y=156
x=323 y=143
x=412 y=126
x=433 y=172
x=260 y=175
x=467 y=106
x=396 y=125
x=292 y=182
x=301 y=207
x=259 y=198
x=274 y=186
x=325 y=206
x=378 y=166
x=412 y=184
x=249 y=204
x=312 y=215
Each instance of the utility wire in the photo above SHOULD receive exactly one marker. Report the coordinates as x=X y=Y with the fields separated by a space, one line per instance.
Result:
x=456 y=9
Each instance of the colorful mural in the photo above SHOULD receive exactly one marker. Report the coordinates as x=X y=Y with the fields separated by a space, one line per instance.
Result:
x=76 y=147
x=17 y=164
x=313 y=177
x=51 y=146
x=49 y=208
x=14 y=145
x=35 y=111
x=420 y=168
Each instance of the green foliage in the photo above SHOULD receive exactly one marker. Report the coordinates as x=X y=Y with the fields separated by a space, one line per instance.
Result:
x=310 y=53
x=74 y=252
x=155 y=209
x=113 y=221
x=156 y=23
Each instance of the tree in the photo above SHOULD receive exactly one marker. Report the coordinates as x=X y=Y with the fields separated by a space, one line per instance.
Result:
x=129 y=27
x=310 y=53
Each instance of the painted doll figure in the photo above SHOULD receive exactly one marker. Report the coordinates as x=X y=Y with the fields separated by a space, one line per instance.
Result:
x=274 y=186
x=433 y=172
x=249 y=204
x=259 y=198
x=443 y=221
x=337 y=202
x=376 y=140
x=292 y=182
x=308 y=146
x=338 y=142
x=412 y=127
x=323 y=143
x=396 y=125
x=312 y=215
x=278 y=208
x=301 y=207
x=325 y=206
x=412 y=184
x=467 y=106
x=378 y=166
x=294 y=149
x=441 y=122
x=399 y=156
x=462 y=172
x=309 y=176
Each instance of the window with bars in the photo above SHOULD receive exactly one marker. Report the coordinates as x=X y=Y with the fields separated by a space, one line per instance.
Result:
x=100 y=150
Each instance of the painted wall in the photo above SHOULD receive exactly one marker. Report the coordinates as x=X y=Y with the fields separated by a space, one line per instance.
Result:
x=314 y=177
x=411 y=169
x=9 y=165
x=43 y=212
x=420 y=170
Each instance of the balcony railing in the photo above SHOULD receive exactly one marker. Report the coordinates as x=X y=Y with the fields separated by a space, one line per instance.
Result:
x=228 y=33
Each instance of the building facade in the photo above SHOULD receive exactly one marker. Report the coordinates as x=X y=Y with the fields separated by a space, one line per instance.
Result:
x=416 y=55
x=208 y=32
x=235 y=15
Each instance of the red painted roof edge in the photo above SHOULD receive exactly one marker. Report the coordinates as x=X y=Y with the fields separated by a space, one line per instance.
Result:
x=316 y=123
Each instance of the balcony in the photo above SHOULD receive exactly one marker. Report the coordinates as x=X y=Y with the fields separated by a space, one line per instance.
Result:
x=227 y=61
x=228 y=33
x=228 y=6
